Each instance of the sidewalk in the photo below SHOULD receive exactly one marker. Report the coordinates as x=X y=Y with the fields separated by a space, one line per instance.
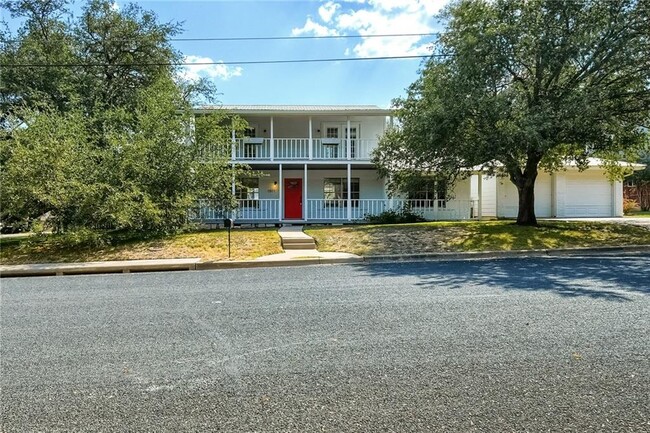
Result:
x=296 y=258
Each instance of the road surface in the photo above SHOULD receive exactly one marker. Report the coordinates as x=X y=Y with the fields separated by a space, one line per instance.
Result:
x=497 y=345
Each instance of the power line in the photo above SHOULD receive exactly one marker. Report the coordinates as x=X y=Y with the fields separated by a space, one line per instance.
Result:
x=282 y=38
x=288 y=38
x=244 y=62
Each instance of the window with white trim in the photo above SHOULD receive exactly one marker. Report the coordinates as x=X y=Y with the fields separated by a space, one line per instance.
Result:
x=335 y=191
x=428 y=192
x=248 y=189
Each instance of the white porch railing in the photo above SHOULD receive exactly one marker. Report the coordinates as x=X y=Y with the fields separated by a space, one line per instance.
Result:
x=253 y=210
x=249 y=151
x=291 y=148
x=319 y=209
x=265 y=209
x=337 y=210
x=298 y=148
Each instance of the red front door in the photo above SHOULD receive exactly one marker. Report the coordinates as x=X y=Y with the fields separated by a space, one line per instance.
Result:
x=293 y=198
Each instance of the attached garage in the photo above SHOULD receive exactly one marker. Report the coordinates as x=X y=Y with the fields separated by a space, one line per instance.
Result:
x=566 y=194
x=588 y=194
x=508 y=197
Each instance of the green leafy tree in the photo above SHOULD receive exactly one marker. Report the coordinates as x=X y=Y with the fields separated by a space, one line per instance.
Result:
x=519 y=86
x=107 y=141
x=45 y=38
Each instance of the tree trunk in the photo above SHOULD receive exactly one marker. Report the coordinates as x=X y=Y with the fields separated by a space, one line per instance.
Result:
x=526 y=214
x=525 y=183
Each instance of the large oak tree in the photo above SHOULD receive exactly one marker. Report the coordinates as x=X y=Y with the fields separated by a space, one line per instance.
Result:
x=519 y=86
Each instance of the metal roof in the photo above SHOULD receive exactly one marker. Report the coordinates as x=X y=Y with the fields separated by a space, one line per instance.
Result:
x=299 y=109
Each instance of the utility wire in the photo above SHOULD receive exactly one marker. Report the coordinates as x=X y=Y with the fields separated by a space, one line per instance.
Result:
x=245 y=62
x=282 y=38
x=288 y=38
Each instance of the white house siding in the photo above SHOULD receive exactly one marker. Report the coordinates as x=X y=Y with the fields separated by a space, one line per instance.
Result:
x=588 y=194
x=370 y=127
x=489 y=188
x=507 y=197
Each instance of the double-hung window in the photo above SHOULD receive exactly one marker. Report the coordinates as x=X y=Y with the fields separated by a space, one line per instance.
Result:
x=335 y=191
x=250 y=149
x=248 y=191
x=428 y=193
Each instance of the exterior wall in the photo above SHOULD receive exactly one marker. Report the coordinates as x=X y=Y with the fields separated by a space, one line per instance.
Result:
x=462 y=190
x=507 y=197
x=489 y=199
x=298 y=126
x=370 y=186
x=565 y=194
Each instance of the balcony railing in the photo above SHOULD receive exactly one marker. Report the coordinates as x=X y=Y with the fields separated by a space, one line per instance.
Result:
x=268 y=210
x=298 y=149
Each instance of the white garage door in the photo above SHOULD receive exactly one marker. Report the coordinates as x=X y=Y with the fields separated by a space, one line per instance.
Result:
x=588 y=194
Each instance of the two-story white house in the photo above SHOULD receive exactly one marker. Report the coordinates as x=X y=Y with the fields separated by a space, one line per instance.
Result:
x=315 y=165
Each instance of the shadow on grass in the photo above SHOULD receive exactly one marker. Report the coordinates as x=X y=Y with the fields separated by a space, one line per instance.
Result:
x=607 y=278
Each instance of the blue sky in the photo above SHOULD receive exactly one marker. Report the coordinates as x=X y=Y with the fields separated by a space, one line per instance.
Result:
x=356 y=82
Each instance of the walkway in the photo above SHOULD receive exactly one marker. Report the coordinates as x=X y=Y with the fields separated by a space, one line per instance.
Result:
x=299 y=245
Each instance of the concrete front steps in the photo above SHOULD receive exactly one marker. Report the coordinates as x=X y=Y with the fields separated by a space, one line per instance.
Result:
x=298 y=244
x=293 y=238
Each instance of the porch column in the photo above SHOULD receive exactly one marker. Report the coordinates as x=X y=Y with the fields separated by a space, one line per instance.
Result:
x=311 y=142
x=480 y=195
x=388 y=197
x=305 y=203
x=232 y=212
x=558 y=191
x=281 y=193
x=349 y=191
x=391 y=121
x=272 y=142
x=349 y=140
x=617 y=196
x=436 y=203
x=234 y=142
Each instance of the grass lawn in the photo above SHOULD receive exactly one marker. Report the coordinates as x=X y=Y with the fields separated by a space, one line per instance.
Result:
x=209 y=245
x=473 y=236
x=640 y=214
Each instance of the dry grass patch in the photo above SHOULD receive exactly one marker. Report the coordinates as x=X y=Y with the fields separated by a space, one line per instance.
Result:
x=473 y=236
x=209 y=245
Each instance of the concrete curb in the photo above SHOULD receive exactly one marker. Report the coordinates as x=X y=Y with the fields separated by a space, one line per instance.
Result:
x=123 y=266
x=128 y=266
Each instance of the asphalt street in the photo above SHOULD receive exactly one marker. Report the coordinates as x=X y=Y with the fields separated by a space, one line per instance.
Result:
x=511 y=345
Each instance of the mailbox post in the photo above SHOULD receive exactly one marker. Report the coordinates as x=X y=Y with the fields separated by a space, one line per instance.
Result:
x=228 y=223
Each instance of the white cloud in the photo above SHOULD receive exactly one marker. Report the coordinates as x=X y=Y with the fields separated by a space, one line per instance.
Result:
x=377 y=17
x=203 y=67
x=328 y=10
x=312 y=27
x=115 y=6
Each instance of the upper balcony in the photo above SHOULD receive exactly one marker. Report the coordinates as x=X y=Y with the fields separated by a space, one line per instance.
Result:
x=332 y=149
x=306 y=132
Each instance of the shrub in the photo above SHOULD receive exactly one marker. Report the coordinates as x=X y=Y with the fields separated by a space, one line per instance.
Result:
x=629 y=206
x=401 y=215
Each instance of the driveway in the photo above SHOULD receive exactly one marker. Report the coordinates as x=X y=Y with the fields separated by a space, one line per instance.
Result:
x=624 y=220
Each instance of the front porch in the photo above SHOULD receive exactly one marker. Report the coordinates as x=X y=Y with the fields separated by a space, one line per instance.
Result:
x=268 y=211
